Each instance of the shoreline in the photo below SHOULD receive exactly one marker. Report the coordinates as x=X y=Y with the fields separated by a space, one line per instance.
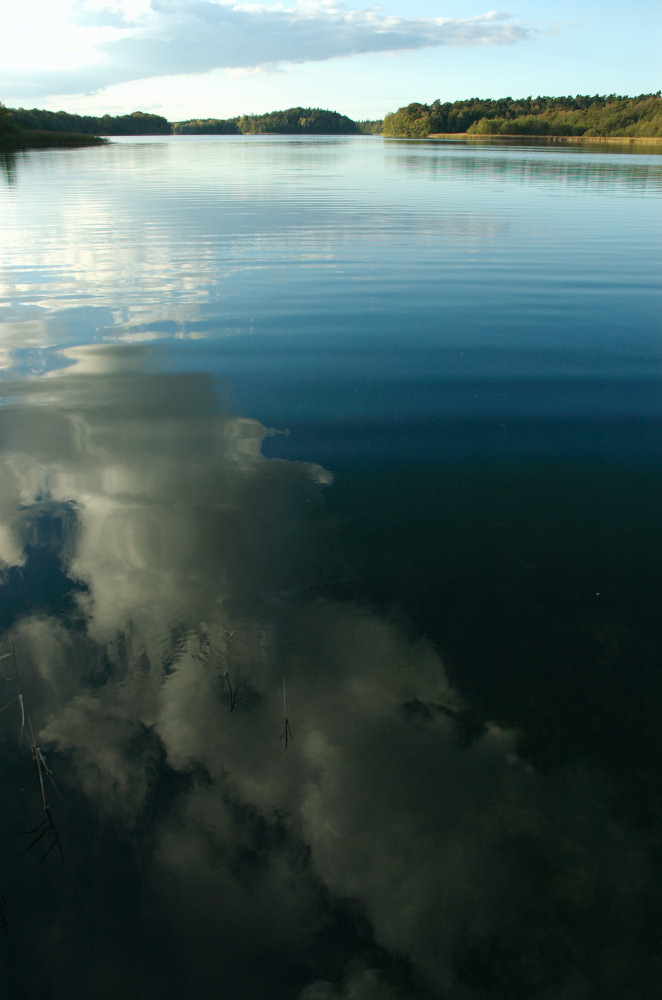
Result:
x=33 y=139
x=618 y=140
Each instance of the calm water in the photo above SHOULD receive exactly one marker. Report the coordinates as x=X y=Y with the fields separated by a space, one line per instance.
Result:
x=331 y=541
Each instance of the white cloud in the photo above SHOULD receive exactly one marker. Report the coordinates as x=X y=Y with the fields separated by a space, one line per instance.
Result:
x=175 y=37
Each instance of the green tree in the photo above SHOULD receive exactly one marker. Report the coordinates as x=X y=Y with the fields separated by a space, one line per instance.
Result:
x=412 y=122
x=207 y=126
x=292 y=121
x=6 y=123
x=137 y=123
x=583 y=114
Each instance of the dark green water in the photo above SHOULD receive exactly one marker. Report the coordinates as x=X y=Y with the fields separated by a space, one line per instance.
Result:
x=331 y=542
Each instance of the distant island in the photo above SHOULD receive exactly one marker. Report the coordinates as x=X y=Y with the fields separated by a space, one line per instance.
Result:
x=293 y=121
x=580 y=118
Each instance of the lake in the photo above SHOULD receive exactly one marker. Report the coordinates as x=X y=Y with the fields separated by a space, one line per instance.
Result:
x=331 y=548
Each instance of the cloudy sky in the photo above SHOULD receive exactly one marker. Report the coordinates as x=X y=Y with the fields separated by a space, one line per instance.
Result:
x=206 y=58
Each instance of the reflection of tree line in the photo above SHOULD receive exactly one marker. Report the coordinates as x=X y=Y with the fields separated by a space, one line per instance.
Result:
x=573 y=170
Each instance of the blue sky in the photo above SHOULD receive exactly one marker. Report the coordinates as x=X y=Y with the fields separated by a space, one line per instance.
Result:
x=206 y=58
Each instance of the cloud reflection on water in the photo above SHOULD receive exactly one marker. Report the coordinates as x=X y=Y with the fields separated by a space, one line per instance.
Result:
x=429 y=856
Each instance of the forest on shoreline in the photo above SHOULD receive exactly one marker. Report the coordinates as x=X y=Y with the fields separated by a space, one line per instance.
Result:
x=583 y=115
x=580 y=116
x=14 y=138
x=292 y=121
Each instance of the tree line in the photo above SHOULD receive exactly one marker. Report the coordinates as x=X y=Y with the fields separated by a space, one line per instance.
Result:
x=14 y=137
x=136 y=123
x=292 y=121
x=582 y=115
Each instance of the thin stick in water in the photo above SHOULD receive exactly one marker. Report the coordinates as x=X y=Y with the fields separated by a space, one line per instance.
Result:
x=234 y=692
x=287 y=732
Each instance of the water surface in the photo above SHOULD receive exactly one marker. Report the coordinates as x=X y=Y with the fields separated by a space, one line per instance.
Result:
x=330 y=537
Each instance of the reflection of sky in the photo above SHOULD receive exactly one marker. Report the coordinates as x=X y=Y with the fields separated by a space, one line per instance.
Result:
x=391 y=844
x=216 y=225
x=341 y=288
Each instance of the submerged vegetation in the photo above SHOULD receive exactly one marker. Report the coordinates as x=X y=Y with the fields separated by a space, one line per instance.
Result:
x=45 y=831
x=234 y=691
x=582 y=115
x=287 y=732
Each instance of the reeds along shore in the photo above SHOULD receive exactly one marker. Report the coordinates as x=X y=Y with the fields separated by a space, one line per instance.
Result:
x=584 y=140
x=24 y=139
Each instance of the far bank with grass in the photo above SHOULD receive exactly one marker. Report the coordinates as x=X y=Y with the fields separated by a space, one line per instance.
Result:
x=640 y=142
x=552 y=118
